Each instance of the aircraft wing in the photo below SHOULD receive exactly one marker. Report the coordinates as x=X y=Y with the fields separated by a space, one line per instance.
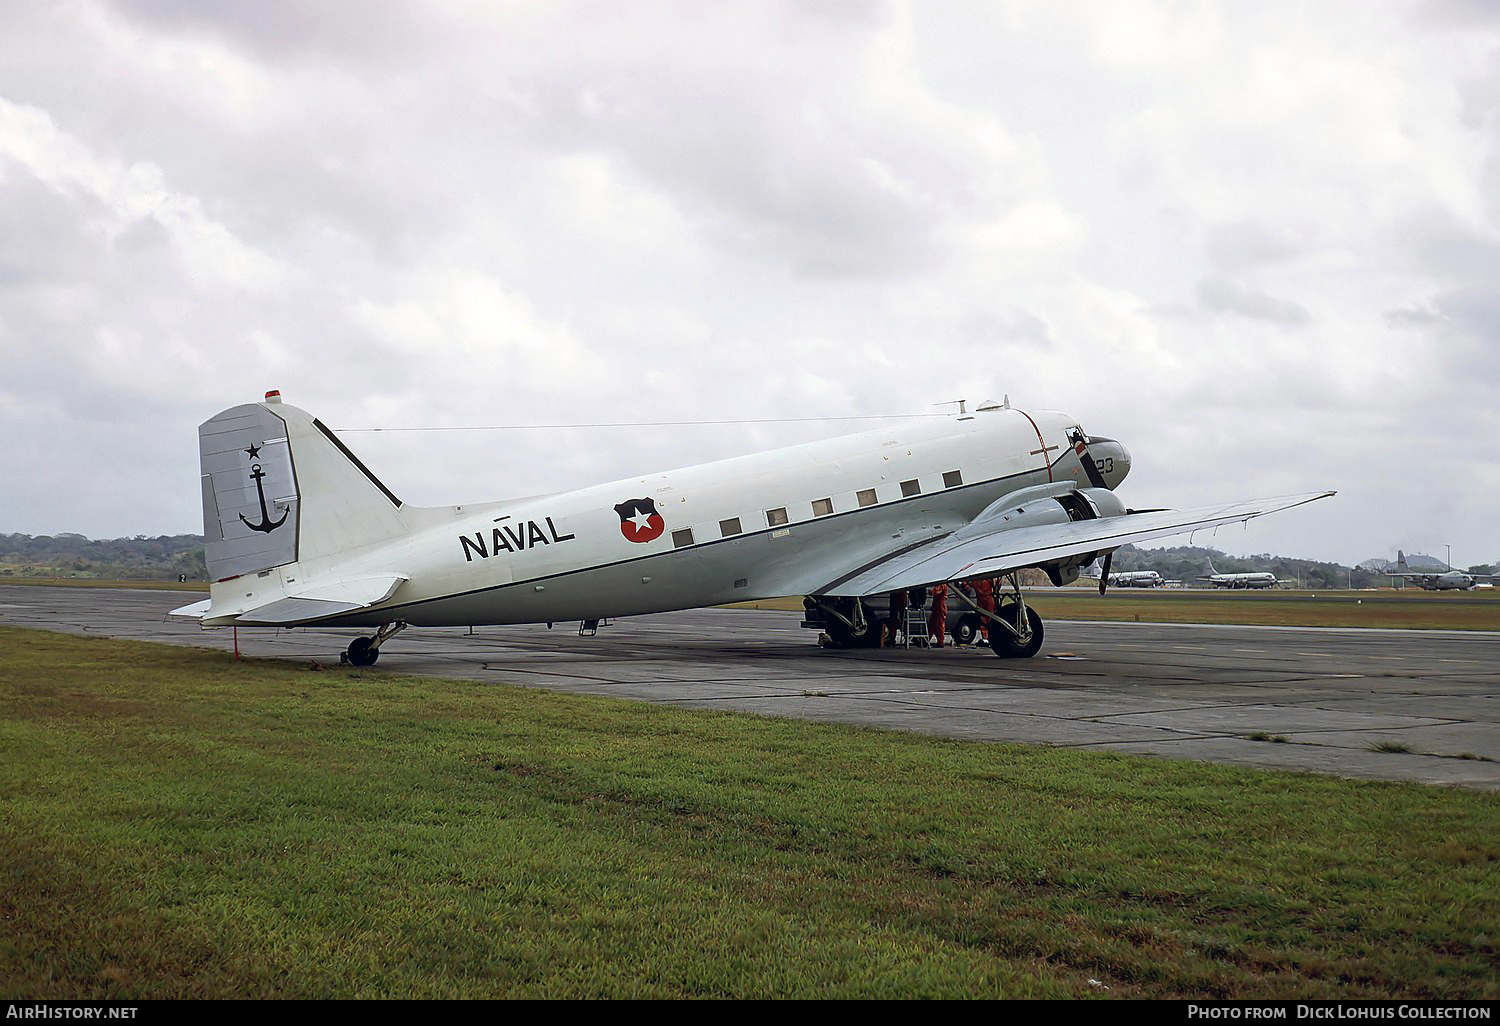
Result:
x=1002 y=550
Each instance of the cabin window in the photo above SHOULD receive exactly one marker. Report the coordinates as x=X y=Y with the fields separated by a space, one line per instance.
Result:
x=867 y=496
x=682 y=537
x=729 y=527
x=776 y=517
x=822 y=507
x=910 y=488
x=952 y=478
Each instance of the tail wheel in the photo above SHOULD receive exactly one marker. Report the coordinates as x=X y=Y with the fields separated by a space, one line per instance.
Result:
x=1005 y=644
x=966 y=630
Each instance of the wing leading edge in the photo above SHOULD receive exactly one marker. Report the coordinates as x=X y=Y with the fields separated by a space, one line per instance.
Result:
x=1001 y=550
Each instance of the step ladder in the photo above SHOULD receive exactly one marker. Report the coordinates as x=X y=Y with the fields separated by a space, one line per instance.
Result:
x=916 y=628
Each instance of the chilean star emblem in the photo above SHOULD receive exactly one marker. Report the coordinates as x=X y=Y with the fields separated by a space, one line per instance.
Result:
x=639 y=521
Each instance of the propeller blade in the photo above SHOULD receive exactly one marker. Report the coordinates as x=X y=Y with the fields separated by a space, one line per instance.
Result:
x=1104 y=572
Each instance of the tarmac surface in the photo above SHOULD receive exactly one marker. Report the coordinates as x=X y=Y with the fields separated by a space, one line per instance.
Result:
x=1186 y=691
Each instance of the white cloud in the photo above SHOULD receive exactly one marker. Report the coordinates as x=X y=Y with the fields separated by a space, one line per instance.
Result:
x=127 y=196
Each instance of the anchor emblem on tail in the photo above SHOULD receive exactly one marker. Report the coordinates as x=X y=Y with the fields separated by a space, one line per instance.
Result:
x=266 y=525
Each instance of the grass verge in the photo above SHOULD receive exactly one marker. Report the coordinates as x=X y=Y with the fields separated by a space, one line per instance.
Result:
x=179 y=825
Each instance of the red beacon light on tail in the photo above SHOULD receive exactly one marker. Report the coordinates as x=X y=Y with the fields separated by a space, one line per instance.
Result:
x=273 y=396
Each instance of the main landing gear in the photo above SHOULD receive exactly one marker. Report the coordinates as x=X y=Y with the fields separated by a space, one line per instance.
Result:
x=849 y=622
x=364 y=651
x=1015 y=628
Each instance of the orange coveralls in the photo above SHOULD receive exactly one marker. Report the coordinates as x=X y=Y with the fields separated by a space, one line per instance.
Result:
x=984 y=591
x=937 y=620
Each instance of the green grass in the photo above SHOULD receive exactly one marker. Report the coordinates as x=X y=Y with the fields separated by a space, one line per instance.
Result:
x=173 y=824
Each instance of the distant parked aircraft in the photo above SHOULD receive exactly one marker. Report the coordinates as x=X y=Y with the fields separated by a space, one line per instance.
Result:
x=1131 y=578
x=1446 y=580
x=1258 y=579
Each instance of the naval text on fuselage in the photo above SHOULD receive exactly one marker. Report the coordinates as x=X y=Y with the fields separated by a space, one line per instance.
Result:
x=511 y=538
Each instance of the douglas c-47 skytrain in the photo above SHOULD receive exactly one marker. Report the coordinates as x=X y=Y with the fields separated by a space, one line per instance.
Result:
x=298 y=532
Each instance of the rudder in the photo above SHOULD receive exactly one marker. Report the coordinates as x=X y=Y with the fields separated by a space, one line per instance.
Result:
x=279 y=488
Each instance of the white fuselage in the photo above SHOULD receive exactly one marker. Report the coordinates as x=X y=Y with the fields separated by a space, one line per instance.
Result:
x=1250 y=580
x=1136 y=579
x=719 y=535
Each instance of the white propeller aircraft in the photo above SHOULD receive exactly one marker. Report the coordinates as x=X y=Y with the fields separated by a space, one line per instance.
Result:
x=1251 y=579
x=1125 y=578
x=1137 y=579
x=298 y=532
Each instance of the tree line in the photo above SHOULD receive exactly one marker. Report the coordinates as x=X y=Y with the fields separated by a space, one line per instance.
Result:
x=163 y=558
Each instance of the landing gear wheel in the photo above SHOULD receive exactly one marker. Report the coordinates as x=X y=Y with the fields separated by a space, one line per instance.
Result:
x=848 y=637
x=361 y=654
x=966 y=630
x=1005 y=644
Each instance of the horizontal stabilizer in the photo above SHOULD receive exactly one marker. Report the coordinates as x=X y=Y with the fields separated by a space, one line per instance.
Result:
x=313 y=601
x=293 y=611
x=361 y=591
x=195 y=611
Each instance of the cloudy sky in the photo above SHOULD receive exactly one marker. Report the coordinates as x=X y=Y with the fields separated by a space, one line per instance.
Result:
x=1257 y=242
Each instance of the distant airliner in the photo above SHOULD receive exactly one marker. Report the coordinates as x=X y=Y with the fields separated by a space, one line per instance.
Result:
x=1128 y=578
x=1257 y=579
x=298 y=532
x=1136 y=579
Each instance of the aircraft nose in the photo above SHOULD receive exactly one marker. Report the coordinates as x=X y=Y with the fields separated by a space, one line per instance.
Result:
x=1112 y=459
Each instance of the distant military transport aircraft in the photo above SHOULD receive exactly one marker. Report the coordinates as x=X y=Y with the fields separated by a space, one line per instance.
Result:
x=299 y=532
x=1436 y=580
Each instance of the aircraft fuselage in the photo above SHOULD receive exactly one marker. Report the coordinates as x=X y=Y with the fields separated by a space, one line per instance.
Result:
x=785 y=522
x=1249 y=580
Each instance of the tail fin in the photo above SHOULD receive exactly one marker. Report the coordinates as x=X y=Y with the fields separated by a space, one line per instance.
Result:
x=280 y=488
x=1400 y=560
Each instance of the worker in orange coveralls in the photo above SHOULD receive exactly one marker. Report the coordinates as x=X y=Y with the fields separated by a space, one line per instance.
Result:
x=984 y=591
x=937 y=620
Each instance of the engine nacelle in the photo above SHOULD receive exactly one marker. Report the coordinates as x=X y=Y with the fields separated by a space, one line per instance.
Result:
x=1084 y=504
x=1055 y=503
x=1104 y=502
